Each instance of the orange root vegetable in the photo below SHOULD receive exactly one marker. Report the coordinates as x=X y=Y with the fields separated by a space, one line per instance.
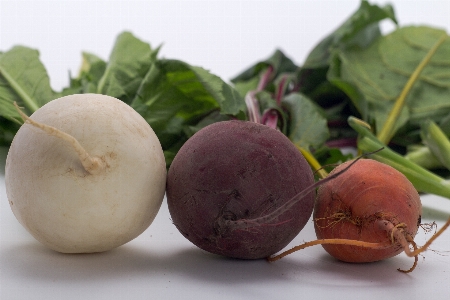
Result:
x=370 y=213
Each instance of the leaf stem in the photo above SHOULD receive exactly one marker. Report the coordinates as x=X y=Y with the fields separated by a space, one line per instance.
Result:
x=281 y=89
x=422 y=179
x=265 y=79
x=251 y=101
x=422 y=156
x=313 y=162
x=253 y=112
x=387 y=130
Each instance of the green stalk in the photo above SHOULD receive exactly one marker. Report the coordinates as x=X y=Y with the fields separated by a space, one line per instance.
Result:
x=422 y=179
x=437 y=142
x=387 y=131
x=315 y=165
x=29 y=103
x=422 y=156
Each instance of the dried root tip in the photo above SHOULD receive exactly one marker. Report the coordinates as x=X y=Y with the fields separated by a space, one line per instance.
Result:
x=431 y=240
x=416 y=258
x=92 y=165
x=400 y=236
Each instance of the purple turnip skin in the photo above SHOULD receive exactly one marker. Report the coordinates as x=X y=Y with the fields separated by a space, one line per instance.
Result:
x=239 y=171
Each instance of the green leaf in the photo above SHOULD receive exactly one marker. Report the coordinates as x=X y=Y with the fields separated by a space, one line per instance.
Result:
x=213 y=117
x=329 y=158
x=243 y=87
x=376 y=76
x=127 y=66
x=278 y=61
x=360 y=29
x=230 y=101
x=92 y=65
x=91 y=71
x=388 y=129
x=307 y=127
x=23 y=79
x=174 y=95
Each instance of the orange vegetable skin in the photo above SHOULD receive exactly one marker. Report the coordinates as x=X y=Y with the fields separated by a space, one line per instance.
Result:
x=353 y=206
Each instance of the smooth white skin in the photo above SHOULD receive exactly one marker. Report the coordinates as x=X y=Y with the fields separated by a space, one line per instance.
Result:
x=69 y=209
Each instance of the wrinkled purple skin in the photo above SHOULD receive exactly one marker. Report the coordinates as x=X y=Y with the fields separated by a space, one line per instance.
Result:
x=238 y=170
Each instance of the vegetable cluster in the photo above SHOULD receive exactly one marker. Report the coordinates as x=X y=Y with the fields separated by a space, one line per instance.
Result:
x=96 y=159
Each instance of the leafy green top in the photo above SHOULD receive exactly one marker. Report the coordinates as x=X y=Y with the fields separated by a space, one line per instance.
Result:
x=396 y=84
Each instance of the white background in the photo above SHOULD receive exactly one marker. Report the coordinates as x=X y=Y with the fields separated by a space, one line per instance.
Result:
x=225 y=37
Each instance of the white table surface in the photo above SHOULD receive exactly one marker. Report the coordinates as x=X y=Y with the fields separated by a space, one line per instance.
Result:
x=224 y=37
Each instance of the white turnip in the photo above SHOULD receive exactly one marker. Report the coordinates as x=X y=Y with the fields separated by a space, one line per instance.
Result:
x=85 y=173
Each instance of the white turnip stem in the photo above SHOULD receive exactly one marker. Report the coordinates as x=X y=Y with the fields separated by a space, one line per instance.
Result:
x=92 y=165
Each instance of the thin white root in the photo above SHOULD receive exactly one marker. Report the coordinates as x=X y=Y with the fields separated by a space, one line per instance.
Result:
x=92 y=165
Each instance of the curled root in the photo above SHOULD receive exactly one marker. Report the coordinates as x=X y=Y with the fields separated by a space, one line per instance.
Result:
x=405 y=239
x=399 y=234
x=416 y=257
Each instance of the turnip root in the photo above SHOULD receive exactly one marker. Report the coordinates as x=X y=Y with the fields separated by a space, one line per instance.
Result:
x=369 y=213
x=85 y=173
x=229 y=187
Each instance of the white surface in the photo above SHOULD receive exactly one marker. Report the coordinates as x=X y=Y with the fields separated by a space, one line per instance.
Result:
x=225 y=37
x=161 y=264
